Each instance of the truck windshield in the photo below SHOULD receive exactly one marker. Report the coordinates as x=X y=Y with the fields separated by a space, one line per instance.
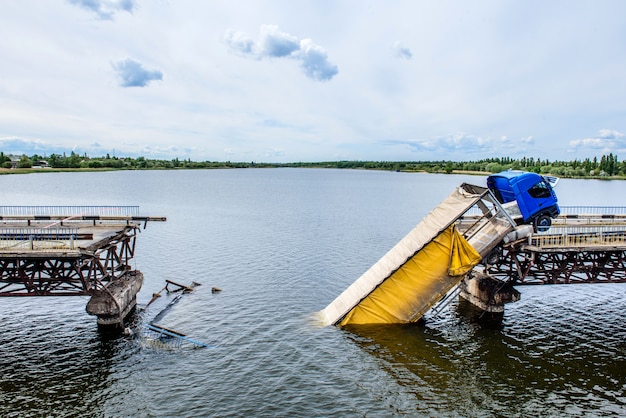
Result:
x=540 y=190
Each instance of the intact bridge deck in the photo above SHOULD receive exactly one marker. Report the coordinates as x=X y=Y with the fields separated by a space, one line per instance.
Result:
x=583 y=245
x=39 y=231
x=66 y=251
x=24 y=241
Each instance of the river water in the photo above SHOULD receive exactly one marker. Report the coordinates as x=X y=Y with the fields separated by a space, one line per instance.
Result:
x=282 y=244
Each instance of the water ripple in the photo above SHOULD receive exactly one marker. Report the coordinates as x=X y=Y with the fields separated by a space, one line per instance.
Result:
x=281 y=244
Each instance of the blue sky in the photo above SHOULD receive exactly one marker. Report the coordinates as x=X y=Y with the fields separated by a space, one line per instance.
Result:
x=283 y=81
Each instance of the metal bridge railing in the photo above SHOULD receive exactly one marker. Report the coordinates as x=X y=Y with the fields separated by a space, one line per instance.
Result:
x=69 y=210
x=37 y=238
x=581 y=236
x=581 y=211
x=593 y=210
x=30 y=246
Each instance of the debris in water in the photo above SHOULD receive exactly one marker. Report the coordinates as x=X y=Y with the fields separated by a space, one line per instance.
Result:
x=158 y=336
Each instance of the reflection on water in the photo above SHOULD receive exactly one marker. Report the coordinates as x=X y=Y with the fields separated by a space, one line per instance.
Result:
x=61 y=364
x=553 y=360
x=282 y=243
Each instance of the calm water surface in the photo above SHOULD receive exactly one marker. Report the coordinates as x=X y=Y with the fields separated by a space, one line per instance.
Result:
x=282 y=243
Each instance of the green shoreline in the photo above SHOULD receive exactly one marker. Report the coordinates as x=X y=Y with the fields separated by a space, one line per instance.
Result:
x=606 y=168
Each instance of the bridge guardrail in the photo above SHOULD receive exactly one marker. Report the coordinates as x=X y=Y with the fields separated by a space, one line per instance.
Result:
x=593 y=210
x=69 y=210
x=580 y=236
x=37 y=238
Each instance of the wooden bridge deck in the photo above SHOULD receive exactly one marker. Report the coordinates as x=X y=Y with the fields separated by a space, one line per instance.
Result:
x=42 y=236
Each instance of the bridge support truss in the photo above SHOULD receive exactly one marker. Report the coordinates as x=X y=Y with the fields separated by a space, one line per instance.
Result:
x=71 y=273
x=564 y=255
x=525 y=265
x=101 y=270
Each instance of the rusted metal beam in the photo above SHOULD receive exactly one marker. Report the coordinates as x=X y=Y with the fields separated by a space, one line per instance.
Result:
x=522 y=265
x=76 y=273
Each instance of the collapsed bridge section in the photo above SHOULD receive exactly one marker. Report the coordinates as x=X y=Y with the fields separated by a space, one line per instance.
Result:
x=429 y=261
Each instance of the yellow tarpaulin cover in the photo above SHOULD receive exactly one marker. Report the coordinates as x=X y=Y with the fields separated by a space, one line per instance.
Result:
x=419 y=283
x=413 y=276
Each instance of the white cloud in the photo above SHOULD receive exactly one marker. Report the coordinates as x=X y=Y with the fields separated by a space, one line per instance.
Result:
x=402 y=51
x=607 y=141
x=240 y=42
x=149 y=151
x=273 y=43
x=610 y=134
x=462 y=146
x=106 y=9
x=314 y=61
x=132 y=73
x=18 y=146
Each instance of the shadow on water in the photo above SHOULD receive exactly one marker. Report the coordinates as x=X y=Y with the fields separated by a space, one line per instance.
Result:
x=474 y=315
x=467 y=365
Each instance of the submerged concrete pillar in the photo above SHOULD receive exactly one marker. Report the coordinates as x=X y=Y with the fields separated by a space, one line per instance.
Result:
x=119 y=298
x=487 y=293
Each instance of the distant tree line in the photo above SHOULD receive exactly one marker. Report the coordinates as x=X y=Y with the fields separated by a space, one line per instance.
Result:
x=606 y=166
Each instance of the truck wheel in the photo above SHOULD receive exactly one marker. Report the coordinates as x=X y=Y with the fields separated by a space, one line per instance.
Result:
x=493 y=257
x=542 y=223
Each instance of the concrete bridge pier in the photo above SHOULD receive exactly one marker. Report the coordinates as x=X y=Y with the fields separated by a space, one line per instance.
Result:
x=115 y=302
x=488 y=294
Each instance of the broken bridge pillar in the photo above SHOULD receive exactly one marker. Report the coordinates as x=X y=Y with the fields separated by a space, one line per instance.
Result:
x=488 y=294
x=117 y=300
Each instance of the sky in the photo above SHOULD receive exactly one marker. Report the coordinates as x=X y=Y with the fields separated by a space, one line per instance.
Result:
x=314 y=80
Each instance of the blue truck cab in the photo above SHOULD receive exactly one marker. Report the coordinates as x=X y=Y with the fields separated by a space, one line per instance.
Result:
x=533 y=193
